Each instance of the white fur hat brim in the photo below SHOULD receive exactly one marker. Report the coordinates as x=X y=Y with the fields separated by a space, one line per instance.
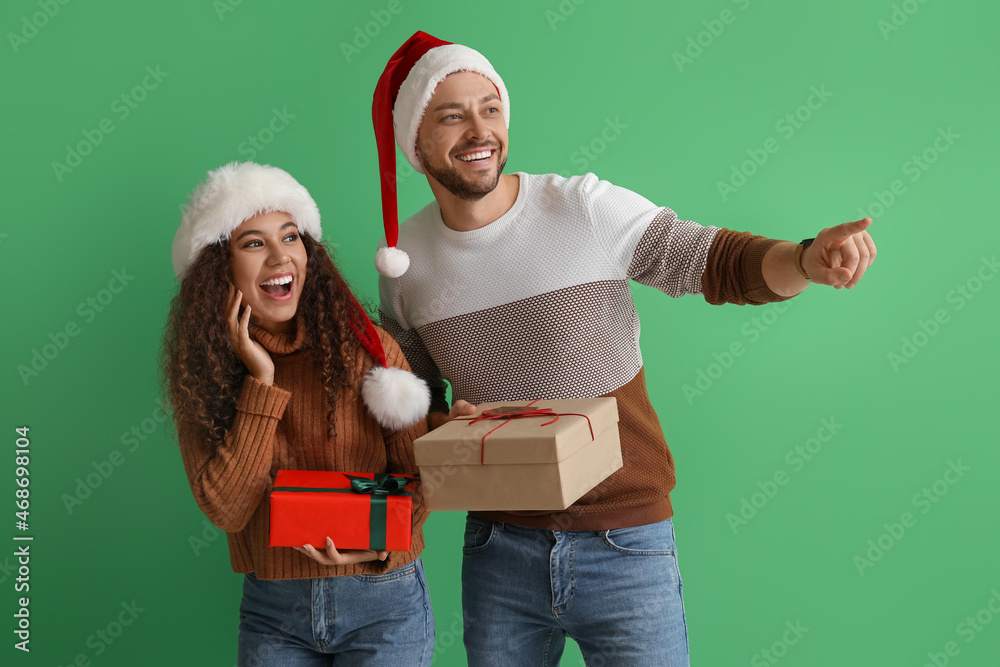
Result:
x=416 y=91
x=233 y=193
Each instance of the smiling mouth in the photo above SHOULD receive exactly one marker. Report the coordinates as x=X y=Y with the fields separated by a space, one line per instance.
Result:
x=478 y=157
x=277 y=288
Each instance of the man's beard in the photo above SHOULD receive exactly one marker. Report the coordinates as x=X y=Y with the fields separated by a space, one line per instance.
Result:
x=453 y=181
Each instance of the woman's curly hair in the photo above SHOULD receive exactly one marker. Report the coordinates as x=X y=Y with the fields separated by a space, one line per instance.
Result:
x=202 y=373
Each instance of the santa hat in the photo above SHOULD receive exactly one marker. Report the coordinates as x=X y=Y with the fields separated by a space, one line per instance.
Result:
x=401 y=97
x=233 y=193
x=240 y=190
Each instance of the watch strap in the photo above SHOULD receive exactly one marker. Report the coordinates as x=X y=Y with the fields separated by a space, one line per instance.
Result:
x=803 y=244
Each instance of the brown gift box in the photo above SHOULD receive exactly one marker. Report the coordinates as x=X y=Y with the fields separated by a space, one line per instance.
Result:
x=524 y=464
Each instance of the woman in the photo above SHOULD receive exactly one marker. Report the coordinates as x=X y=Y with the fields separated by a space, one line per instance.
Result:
x=271 y=364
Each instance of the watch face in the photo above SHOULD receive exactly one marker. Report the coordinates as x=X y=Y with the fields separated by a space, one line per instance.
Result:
x=807 y=242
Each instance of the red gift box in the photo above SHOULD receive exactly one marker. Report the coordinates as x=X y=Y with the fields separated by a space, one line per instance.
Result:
x=358 y=510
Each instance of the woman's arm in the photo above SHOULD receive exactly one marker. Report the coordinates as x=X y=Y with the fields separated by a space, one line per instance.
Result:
x=231 y=481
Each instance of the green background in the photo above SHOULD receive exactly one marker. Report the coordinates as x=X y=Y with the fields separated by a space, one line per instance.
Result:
x=682 y=127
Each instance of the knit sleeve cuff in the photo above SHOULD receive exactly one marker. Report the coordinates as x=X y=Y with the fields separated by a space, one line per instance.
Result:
x=733 y=271
x=262 y=399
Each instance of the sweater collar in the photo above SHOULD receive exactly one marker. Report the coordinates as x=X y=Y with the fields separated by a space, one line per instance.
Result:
x=283 y=343
x=494 y=228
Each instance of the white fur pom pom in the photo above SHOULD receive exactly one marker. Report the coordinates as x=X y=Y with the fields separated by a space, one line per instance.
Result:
x=396 y=398
x=391 y=262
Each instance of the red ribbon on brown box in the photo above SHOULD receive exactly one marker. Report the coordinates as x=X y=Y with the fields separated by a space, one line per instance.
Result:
x=519 y=412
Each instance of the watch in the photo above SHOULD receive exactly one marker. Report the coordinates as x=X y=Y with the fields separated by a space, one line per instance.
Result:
x=803 y=244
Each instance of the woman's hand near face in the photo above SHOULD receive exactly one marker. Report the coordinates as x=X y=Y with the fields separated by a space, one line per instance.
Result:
x=254 y=356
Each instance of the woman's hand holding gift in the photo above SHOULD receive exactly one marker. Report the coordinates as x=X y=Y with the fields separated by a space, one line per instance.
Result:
x=330 y=556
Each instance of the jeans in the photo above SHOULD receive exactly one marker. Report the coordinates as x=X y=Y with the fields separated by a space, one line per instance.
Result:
x=617 y=593
x=371 y=620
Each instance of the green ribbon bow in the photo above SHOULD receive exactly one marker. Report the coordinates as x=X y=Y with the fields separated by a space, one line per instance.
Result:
x=383 y=484
x=380 y=488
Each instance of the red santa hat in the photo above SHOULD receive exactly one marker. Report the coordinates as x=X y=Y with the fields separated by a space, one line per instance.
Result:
x=401 y=97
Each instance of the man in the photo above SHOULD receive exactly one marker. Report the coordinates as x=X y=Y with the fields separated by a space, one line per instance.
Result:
x=515 y=287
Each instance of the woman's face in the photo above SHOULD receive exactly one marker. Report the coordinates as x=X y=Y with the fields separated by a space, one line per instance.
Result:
x=269 y=267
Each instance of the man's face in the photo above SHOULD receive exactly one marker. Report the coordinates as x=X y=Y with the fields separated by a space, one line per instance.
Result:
x=462 y=140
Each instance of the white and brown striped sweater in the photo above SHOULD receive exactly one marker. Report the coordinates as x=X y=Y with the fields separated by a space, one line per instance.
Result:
x=536 y=305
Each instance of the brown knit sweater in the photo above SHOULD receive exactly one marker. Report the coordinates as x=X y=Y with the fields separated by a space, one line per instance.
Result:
x=283 y=426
